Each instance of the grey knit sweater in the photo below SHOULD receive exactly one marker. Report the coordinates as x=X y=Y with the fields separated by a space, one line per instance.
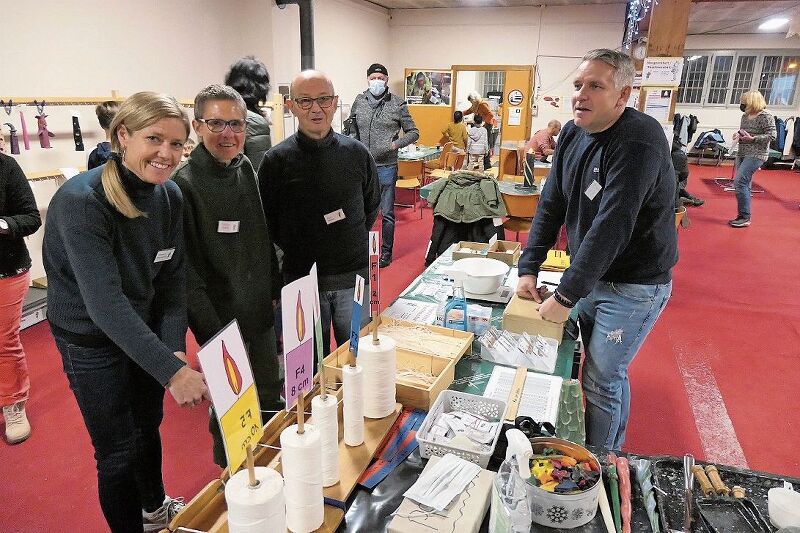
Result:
x=377 y=122
x=762 y=128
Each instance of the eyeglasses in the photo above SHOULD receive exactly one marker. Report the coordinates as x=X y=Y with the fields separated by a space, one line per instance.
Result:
x=218 y=125
x=307 y=103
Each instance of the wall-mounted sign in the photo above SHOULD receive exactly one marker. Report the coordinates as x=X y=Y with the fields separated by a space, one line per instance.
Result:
x=662 y=71
x=515 y=97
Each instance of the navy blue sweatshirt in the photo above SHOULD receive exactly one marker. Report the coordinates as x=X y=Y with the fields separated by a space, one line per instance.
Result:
x=18 y=209
x=302 y=180
x=108 y=276
x=615 y=191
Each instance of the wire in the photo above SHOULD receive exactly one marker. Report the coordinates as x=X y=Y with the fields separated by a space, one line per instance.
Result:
x=747 y=21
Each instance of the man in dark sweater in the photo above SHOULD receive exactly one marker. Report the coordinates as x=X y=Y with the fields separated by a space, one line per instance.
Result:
x=320 y=196
x=230 y=258
x=613 y=185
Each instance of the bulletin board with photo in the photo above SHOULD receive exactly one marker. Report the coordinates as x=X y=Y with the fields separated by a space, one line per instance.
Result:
x=428 y=87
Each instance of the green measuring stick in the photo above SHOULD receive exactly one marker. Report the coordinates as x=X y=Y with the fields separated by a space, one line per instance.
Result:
x=614 y=487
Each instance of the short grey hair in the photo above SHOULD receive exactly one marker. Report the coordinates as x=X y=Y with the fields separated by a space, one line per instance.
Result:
x=217 y=92
x=624 y=69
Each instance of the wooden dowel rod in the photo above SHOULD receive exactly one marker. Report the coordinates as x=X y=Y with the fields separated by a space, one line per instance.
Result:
x=251 y=467
x=301 y=413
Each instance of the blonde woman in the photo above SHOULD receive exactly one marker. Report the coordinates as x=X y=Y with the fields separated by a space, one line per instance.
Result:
x=116 y=299
x=756 y=130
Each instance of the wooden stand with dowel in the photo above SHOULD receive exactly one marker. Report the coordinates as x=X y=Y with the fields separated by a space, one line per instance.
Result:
x=251 y=468
x=301 y=413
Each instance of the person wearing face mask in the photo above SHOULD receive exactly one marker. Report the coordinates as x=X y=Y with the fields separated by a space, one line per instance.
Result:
x=376 y=119
x=230 y=259
x=756 y=131
x=613 y=185
x=116 y=302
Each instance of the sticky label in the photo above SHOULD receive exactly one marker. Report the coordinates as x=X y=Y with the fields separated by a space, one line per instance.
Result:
x=164 y=255
x=334 y=216
x=592 y=190
x=228 y=226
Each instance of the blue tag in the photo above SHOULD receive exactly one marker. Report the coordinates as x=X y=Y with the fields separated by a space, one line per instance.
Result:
x=355 y=321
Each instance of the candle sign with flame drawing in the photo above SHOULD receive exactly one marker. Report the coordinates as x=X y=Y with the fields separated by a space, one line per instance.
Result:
x=297 y=301
x=233 y=392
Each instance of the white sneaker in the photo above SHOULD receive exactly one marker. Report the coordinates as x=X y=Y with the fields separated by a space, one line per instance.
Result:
x=161 y=517
x=17 y=426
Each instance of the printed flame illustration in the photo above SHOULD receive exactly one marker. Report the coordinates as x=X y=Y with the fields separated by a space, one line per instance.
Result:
x=374 y=245
x=300 y=317
x=358 y=292
x=232 y=371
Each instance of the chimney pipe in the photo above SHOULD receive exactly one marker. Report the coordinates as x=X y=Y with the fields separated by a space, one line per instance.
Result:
x=306 y=31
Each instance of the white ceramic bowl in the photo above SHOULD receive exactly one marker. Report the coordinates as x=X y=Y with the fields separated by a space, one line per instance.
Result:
x=483 y=275
x=784 y=507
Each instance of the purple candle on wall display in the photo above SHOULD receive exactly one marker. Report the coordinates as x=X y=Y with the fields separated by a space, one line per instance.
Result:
x=12 y=138
x=25 y=141
x=44 y=133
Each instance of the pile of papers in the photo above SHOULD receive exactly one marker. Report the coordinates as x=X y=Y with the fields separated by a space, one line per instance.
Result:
x=463 y=430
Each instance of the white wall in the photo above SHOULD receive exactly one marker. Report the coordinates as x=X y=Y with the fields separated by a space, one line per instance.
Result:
x=727 y=119
x=555 y=37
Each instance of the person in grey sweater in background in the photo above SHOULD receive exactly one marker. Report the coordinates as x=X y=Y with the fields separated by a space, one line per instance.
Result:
x=756 y=131
x=376 y=119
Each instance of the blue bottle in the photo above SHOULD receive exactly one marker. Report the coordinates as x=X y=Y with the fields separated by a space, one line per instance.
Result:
x=455 y=312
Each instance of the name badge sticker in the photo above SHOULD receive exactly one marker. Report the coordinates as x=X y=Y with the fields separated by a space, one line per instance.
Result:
x=164 y=255
x=592 y=190
x=334 y=216
x=228 y=226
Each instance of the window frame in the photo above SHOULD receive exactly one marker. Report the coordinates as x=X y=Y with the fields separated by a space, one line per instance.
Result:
x=759 y=54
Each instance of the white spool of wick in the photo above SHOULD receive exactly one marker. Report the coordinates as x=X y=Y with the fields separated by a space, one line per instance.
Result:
x=301 y=457
x=325 y=414
x=379 y=362
x=255 y=508
x=353 y=385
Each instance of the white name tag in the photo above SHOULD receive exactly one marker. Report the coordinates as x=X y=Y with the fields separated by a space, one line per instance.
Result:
x=228 y=226
x=164 y=255
x=334 y=216
x=592 y=190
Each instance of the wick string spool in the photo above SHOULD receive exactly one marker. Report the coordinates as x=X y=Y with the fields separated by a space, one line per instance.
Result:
x=301 y=457
x=325 y=413
x=353 y=396
x=259 y=508
x=379 y=364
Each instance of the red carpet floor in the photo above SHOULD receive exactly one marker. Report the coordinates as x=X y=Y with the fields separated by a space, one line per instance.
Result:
x=718 y=377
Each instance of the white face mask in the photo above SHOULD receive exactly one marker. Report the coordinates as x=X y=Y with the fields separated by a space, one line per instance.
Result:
x=377 y=86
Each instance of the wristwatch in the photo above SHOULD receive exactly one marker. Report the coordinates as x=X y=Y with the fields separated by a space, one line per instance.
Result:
x=3 y=226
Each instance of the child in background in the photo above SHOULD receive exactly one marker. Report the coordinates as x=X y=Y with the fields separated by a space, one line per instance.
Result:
x=188 y=146
x=456 y=131
x=105 y=114
x=477 y=144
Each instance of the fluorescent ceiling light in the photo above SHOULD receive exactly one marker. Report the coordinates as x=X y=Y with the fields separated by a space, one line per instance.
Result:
x=694 y=58
x=773 y=24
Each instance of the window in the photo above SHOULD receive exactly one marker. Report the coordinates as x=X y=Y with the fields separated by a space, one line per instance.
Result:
x=493 y=82
x=720 y=78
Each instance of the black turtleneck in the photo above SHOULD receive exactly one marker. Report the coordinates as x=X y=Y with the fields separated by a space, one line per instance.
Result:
x=231 y=274
x=302 y=180
x=104 y=283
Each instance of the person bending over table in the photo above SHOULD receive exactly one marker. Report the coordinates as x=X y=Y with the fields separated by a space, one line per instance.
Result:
x=116 y=301
x=613 y=185
x=543 y=142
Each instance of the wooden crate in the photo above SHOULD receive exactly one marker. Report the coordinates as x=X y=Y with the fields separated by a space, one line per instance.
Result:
x=411 y=394
x=481 y=247
x=505 y=251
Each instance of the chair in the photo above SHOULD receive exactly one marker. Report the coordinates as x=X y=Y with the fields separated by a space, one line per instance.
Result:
x=680 y=212
x=442 y=161
x=521 y=209
x=454 y=160
x=409 y=177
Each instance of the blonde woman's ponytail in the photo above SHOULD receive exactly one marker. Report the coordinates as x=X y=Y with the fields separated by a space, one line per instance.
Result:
x=116 y=193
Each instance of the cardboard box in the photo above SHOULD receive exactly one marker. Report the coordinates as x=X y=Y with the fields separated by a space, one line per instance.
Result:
x=523 y=315
x=417 y=395
x=505 y=251
x=464 y=514
x=481 y=247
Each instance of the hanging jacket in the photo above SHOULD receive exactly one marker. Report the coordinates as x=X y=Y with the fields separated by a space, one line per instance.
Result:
x=788 y=143
x=796 y=140
x=707 y=139
x=780 y=135
x=466 y=197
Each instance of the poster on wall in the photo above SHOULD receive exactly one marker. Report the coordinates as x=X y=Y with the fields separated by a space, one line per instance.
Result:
x=428 y=87
x=662 y=71
x=657 y=102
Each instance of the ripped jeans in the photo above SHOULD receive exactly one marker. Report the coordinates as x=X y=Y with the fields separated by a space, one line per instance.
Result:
x=615 y=319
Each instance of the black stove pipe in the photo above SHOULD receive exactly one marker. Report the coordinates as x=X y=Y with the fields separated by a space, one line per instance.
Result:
x=306 y=31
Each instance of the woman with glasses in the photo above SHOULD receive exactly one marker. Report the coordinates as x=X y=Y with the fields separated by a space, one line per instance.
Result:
x=230 y=258
x=249 y=77
x=116 y=302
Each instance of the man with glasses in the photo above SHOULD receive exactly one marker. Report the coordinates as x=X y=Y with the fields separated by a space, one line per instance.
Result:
x=231 y=272
x=320 y=195
x=376 y=118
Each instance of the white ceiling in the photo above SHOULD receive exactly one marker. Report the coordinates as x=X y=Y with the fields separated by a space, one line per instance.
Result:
x=711 y=16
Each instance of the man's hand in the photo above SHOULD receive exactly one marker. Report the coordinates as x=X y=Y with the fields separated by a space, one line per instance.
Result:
x=526 y=288
x=188 y=387
x=552 y=311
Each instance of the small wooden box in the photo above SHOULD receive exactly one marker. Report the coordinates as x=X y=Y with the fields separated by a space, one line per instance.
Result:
x=523 y=315
x=410 y=394
x=505 y=251
x=481 y=248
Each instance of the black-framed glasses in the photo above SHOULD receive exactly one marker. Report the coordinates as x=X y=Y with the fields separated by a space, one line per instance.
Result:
x=217 y=125
x=305 y=104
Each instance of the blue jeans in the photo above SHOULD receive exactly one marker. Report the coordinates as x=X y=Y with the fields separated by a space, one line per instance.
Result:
x=122 y=407
x=387 y=177
x=745 y=168
x=615 y=319
x=336 y=307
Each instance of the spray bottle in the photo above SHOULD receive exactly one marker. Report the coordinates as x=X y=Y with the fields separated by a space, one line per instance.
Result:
x=455 y=312
x=510 y=511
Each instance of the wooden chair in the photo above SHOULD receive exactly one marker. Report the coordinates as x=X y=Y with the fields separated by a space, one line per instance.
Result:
x=680 y=212
x=409 y=177
x=441 y=162
x=454 y=160
x=521 y=209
